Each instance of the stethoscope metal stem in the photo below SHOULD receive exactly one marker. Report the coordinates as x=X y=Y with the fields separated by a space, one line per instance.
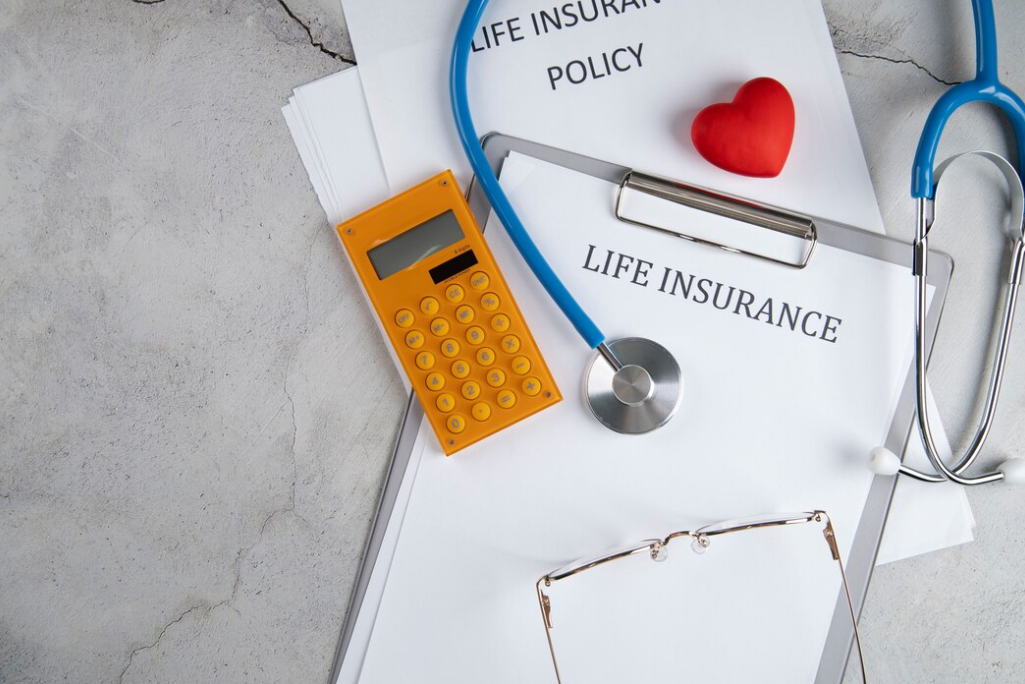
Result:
x=609 y=356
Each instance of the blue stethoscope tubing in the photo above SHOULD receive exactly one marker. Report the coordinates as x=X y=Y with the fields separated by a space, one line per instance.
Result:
x=639 y=387
x=985 y=87
x=493 y=189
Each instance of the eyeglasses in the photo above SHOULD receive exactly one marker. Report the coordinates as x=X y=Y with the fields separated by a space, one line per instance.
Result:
x=701 y=539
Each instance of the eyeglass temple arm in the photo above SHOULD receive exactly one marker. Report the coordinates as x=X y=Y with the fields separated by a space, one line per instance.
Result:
x=546 y=613
x=834 y=548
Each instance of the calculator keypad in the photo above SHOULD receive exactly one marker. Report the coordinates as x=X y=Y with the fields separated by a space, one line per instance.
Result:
x=477 y=384
x=453 y=325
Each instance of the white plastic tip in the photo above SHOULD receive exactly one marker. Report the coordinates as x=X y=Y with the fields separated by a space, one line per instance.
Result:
x=1013 y=470
x=882 y=461
x=697 y=547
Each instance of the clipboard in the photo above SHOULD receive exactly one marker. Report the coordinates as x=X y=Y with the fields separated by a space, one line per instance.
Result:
x=804 y=231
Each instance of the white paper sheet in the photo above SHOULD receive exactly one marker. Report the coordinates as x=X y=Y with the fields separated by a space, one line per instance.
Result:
x=694 y=54
x=771 y=420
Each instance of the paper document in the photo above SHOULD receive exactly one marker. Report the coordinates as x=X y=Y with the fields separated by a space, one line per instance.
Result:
x=688 y=55
x=923 y=517
x=790 y=377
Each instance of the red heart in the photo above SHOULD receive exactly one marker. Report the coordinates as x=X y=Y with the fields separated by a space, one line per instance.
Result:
x=750 y=136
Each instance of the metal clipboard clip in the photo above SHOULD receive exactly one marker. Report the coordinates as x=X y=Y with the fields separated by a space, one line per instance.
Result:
x=765 y=232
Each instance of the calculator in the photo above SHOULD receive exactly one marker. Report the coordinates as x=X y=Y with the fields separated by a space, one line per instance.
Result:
x=448 y=313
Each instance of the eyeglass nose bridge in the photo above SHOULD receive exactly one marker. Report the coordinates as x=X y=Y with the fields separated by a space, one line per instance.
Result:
x=699 y=544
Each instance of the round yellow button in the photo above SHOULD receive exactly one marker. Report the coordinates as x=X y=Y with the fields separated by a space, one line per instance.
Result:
x=500 y=323
x=510 y=344
x=439 y=326
x=425 y=360
x=480 y=280
x=521 y=365
x=506 y=399
x=404 y=318
x=446 y=402
x=471 y=390
x=531 y=387
x=449 y=348
x=489 y=302
x=429 y=305
x=464 y=315
x=485 y=356
x=496 y=378
x=460 y=369
x=414 y=339
x=456 y=424
x=435 y=382
x=454 y=294
x=481 y=411
x=475 y=335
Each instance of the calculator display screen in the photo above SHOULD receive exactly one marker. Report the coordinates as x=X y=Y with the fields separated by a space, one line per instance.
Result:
x=416 y=244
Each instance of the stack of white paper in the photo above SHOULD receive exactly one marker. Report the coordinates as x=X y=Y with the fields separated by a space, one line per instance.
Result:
x=403 y=49
x=331 y=126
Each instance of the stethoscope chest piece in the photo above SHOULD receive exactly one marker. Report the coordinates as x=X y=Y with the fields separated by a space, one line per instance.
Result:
x=642 y=394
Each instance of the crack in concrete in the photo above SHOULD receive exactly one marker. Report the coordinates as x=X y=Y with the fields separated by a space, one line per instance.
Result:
x=131 y=656
x=288 y=507
x=236 y=570
x=314 y=42
x=908 y=60
x=308 y=264
x=291 y=15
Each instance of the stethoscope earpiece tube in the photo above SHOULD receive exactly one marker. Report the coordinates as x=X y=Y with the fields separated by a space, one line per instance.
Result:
x=493 y=189
x=985 y=87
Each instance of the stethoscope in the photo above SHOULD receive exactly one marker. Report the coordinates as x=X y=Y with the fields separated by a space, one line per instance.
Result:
x=638 y=387
x=985 y=87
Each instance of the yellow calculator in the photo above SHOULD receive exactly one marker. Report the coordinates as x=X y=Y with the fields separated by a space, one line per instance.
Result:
x=448 y=313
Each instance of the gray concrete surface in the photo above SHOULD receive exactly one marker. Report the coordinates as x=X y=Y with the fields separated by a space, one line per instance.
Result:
x=196 y=412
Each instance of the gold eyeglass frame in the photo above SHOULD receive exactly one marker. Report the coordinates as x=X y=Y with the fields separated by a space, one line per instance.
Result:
x=656 y=548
